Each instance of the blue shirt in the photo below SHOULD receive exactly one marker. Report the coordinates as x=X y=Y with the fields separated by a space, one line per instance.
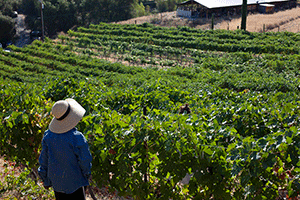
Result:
x=65 y=161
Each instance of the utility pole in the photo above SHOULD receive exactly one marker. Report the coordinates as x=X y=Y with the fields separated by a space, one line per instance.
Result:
x=42 y=20
x=212 y=21
x=244 y=15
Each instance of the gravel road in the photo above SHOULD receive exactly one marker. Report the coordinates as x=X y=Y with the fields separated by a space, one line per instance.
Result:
x=22 y=32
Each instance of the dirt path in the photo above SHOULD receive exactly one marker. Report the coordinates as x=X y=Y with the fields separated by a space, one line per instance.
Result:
x=104 y=194
x=22 y=32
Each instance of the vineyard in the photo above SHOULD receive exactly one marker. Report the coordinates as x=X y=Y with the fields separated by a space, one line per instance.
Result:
x=240 y=141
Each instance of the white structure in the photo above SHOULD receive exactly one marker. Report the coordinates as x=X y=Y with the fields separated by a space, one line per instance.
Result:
x=205 y=8
x=228 y=3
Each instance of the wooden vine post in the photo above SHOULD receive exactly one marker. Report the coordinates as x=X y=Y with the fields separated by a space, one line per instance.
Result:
x=145 y=146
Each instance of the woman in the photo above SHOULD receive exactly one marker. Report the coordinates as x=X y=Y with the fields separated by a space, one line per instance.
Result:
x=65 y=160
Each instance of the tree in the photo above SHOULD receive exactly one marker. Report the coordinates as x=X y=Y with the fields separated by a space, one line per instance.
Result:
x=7 y=7
x=61 y=15
x=31 y=9
x=7 y=30
x=138 y=9
x=121 y=10
x=166 y=5
x=244 y=15
x=96 y=11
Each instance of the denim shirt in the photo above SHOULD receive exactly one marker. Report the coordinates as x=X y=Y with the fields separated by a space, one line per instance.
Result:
x=65 y=161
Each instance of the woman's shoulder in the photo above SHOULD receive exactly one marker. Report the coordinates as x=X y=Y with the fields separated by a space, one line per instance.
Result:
x=76 y=133
x=80 y=139
x=47 y=134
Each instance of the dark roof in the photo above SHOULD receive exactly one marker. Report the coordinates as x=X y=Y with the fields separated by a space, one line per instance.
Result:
x=228 y=3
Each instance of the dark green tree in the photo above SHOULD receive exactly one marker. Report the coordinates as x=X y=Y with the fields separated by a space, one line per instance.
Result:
x=7 y=30
x=61 y=15
x=167 y=5
x=123 y=10
x=8 y=6
x=95 y=11
x=244 y=15
x=31 y=8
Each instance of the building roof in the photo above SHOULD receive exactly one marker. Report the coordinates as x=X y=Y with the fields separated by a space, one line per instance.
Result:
x=228 y=3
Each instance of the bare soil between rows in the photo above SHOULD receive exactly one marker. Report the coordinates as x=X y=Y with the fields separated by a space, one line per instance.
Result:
x=101 y=194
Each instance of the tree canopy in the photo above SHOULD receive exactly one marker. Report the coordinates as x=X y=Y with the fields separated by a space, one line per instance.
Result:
x=7 y=23
x=62 y=15
x=7 y=28
x=7 y=7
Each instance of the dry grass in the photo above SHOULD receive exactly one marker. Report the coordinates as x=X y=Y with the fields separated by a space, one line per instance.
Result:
x=288 y=20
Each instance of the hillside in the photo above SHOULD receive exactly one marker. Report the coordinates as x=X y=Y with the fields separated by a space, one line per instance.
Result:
x=238 y=138
x=287 y=20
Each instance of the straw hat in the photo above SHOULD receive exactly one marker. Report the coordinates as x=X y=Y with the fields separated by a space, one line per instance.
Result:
x=67 y=113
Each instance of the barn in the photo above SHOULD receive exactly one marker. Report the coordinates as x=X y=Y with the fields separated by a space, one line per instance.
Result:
x=204 y=8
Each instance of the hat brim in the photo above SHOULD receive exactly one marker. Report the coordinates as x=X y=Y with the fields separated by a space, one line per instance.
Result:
x=70 y=121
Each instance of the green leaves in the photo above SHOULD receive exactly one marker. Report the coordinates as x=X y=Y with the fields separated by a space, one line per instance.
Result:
x=227 y=139
x=241 y=139
x=24 y=120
